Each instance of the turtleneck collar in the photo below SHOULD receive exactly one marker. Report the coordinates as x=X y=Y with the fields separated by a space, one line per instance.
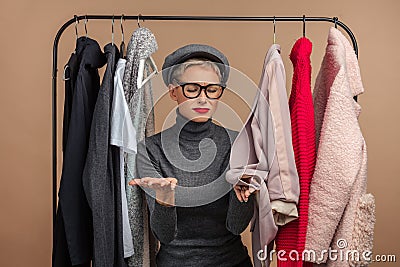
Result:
x=191 y=130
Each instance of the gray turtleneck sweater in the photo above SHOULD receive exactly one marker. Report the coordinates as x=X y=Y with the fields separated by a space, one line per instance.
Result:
x=204 y=226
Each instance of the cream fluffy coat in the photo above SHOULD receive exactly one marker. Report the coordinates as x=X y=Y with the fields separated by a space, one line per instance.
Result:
x=340 y=211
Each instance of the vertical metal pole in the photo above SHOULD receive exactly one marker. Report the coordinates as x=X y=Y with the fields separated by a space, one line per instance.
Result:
x=54 y=131
x=54 y=118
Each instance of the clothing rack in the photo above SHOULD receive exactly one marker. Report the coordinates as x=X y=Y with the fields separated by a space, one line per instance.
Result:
x=76 y=19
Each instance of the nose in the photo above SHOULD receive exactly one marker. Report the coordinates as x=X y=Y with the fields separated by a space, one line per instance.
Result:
x=202 y=97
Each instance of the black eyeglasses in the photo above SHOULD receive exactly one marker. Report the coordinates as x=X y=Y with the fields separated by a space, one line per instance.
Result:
x=193 y=90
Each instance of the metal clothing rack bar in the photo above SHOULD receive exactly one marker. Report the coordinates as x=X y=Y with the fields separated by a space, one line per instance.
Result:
x=303 y=19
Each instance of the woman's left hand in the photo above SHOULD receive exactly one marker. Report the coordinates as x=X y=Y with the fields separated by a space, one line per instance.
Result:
x=243 y=191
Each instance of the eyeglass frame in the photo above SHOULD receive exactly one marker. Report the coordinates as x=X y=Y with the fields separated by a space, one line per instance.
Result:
x=202 y=87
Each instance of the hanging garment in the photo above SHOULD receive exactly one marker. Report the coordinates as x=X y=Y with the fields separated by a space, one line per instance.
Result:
x=73 y=211
x=150 y=240
x=198 y=230
x=123 y=135
x=60 y=247
x=70 y=73
x=263 y=149
x=292 y=236
x=141 y=46
x=341 y=214
x=101 y=175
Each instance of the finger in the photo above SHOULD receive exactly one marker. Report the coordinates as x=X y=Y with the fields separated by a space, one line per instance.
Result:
x=173 y=185
x=247 y=193
x=163 y=185
x=251 y=190
x=151 y=181
x=134 y=182
x=145 y=180
x=242 y=193
x=237 y=192
x=139 y=181
x=163 y=182
x=156 y=184
x=172 y=180
x=243 y=196
x=159 y=184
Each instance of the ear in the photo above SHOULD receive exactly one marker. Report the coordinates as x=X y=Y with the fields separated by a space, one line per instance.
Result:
x=172 y=92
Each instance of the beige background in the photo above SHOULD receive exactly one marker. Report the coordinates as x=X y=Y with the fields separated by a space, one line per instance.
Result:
x=28 y=29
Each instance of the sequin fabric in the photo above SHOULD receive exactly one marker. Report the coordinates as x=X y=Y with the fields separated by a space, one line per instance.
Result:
x=140 y=103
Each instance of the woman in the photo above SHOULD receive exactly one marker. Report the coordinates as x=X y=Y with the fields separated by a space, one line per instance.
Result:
x=190 y=156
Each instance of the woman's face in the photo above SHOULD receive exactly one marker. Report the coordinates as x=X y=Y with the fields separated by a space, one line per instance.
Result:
x=199 y=109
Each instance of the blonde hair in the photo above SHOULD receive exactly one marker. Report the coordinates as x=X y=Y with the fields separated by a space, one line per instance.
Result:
x=180 y=69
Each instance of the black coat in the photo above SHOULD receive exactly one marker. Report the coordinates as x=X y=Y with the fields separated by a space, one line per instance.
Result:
x=74 y=215
x=101 y=176
x=70 y=73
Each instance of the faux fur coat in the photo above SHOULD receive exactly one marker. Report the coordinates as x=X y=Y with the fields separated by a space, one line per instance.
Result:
x=341 y=214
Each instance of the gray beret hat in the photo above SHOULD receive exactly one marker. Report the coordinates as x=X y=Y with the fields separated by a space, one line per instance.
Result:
x=195 y=51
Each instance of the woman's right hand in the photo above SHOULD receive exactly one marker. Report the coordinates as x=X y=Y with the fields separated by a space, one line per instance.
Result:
x=242 y=190
x=164 y=188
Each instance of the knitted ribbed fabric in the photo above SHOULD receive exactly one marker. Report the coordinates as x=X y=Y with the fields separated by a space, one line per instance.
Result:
x=292 y=236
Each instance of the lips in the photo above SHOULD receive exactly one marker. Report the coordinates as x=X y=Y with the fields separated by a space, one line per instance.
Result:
x=201 y=110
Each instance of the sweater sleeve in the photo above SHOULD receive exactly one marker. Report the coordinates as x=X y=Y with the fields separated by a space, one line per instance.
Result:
x=239 y=213
x=163 y=219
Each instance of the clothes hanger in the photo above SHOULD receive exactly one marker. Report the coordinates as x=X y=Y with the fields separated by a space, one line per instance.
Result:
x=274 y=39
x=122 y=46
x=64 y=77
x=140 y=82
x=112 y=31
x=138 y=23
x=86 y=20
x=76 y=26
x=335 y=19
x=76 y=30
x=304 y=25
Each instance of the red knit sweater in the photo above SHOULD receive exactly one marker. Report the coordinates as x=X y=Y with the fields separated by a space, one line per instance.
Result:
x=292 y=236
